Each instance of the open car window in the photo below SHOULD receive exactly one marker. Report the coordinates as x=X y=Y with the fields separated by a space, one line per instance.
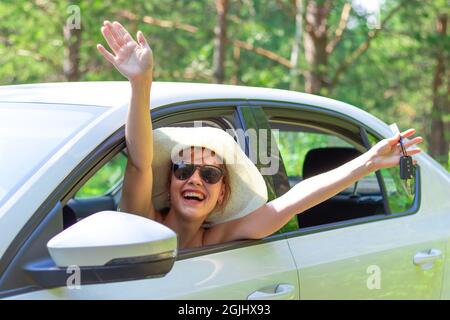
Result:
x=102 y=191
x=307 y=151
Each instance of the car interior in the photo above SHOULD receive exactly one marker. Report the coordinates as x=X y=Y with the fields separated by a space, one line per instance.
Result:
x=343 y=206
x=355 y=202
x=362 y=199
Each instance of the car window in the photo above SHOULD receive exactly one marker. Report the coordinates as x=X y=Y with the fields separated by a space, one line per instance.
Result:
x=31 y=133
x=307 y=151
x=102 y=191
x=295 y=142
x=104 y=179
x=400 y=193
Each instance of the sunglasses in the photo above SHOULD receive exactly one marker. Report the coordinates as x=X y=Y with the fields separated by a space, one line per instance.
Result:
x=209 y=173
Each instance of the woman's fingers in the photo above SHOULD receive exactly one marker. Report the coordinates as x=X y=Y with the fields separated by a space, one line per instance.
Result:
x=141 y=39
x=118 y=29
x=118 y=33
x=122 y=31
x=106 y=31
x=108 y=56
x=405 y=134
x=413 y=151
x=412 y=142
x=408 y=133
x=112 y=29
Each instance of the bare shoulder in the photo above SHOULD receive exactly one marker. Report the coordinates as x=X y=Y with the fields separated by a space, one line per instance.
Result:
x=219 y=233
x=254 y=225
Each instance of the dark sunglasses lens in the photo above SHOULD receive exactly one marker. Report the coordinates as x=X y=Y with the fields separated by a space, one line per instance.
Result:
x=211 y=174
x=183 y=171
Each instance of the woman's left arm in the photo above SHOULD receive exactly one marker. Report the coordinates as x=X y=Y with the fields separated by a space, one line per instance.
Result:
x=312 y=191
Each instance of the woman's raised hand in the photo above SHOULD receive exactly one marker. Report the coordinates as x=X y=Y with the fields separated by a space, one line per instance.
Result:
x=387 y=152
x=133 y=59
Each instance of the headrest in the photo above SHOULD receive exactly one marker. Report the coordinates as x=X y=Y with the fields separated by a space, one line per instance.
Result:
x=324 y=159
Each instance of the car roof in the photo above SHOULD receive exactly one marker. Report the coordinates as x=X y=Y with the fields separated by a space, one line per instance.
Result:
x=116 y=94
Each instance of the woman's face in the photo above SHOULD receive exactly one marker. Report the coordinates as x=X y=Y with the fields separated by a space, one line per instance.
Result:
x=194 y=198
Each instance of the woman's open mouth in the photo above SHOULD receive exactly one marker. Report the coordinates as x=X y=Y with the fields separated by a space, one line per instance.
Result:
x=193 y=197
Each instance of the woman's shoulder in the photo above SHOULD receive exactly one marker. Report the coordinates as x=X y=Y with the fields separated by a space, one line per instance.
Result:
x=159 y=217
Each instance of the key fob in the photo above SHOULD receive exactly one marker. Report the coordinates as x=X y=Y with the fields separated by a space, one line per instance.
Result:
x=406 y=167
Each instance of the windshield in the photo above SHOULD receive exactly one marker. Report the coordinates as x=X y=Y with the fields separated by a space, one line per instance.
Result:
x=30 y=133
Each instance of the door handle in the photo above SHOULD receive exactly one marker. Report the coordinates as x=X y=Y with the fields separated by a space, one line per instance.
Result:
x=281 y=292
x=426 y=259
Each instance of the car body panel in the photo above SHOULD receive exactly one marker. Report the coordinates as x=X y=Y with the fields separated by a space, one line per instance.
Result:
x=15 y=212
x=231 y=274
x=31 y=133
x=346 y=263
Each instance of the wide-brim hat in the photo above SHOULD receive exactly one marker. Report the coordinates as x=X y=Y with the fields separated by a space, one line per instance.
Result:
x=248 y=189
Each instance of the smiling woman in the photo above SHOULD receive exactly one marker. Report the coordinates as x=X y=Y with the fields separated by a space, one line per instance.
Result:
x=192 y=198
x=238 y=180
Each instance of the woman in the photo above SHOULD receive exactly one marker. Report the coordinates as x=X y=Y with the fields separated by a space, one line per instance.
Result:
x=202 y=185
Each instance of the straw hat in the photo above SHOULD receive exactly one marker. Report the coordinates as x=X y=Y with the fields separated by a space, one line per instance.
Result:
x=248 y=189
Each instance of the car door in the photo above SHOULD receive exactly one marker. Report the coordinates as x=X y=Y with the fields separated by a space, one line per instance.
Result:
x=238 y=272
x=253 y=269
x=395 y=254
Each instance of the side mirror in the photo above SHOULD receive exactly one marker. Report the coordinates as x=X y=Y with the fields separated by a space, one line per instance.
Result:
x=107 y=246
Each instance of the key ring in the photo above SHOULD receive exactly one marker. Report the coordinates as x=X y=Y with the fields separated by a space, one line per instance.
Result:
x=394 y=129
x=402 y=146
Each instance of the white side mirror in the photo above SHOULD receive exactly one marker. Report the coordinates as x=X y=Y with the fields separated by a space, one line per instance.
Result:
x=112 y=238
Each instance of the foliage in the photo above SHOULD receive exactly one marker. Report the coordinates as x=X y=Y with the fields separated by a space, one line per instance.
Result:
x=105 y=178
x=392 y=79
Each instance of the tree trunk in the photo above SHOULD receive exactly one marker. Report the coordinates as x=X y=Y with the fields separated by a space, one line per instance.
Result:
x=236 y=62
x=440 y=126
x=72 y=40
x=220 y=32
x=295 y=72
x=315 y=43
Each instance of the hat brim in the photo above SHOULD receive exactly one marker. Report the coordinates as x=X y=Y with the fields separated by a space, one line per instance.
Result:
x=248 y=189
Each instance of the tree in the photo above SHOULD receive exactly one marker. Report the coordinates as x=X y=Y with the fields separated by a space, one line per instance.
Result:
x=72 y=40
x=220 y=40
x=440 y=122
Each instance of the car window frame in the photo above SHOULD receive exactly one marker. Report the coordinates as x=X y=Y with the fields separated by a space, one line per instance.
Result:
x=359 y=128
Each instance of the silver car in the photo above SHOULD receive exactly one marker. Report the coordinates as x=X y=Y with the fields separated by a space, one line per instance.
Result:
x=383 y=238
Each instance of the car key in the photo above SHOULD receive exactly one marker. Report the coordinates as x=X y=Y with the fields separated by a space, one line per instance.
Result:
x=406 y=162
x=406 y=167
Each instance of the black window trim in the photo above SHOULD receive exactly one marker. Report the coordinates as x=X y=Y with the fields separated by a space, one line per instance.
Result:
x=381 y=183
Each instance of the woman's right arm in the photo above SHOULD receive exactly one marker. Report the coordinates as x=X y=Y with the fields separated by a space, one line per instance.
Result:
x=135 y=61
